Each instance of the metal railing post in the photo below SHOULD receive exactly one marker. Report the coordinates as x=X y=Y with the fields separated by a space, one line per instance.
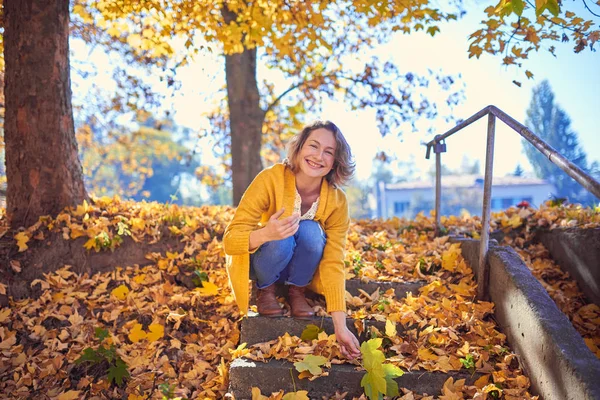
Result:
x=483 y=268
x=438 y=191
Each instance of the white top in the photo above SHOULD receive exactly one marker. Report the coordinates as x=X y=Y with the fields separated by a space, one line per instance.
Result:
x=310 y=214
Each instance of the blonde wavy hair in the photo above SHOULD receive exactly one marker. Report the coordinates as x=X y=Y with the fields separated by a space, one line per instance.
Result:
x=343 y=164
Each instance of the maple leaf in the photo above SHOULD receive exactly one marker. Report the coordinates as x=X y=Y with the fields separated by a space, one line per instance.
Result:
x=374 y=383
x=137 y=333
x=70 y=395
x=118 y=372
x=157 y=331
x=4 y=314
x=374 y=380
x=372 y=357
x=22 y=239
x=299 y=395
x=311 y=364
x=257 y=395
x=89 y=355
x=426 y=354
x=120 y=292
x=310 y=332
x=390 y=329
x=208 y=289
x=391 y=386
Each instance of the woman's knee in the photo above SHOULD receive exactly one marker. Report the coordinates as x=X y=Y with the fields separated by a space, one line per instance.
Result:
x=310 y=234
x=277 y=250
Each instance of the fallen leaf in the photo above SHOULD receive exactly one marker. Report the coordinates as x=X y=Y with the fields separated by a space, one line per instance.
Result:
x=157 y=331
x=70 y=395
x=136 y=333
x=22 y=238
x=311 y=364
x=120 y=292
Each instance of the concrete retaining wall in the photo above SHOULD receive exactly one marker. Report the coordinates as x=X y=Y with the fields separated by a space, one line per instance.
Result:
x=553 y=353
x=577 y=251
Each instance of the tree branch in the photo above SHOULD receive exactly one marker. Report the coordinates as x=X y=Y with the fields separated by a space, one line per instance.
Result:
x=303 y=83
x=586 y=6
x=554 y=23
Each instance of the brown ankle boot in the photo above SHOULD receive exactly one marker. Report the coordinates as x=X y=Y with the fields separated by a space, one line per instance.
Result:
x=267 y=303
x=298 y=304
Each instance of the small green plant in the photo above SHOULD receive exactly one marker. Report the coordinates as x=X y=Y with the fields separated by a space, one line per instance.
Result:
x=379 y=265
x=381 y=304
x=468 y=362
x=358 y=263
x=558 y=201
x=199 y=277
x=123 y=228
x=496 y=393
x=167 y=390
x=383 y=246
x=107 y=357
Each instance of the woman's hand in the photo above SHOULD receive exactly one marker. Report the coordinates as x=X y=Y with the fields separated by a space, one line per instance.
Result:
x=280 y=229
x=348 y=343
x=275 y=229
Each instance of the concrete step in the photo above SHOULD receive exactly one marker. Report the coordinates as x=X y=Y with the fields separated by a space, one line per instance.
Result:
x=257 y=329
x=275 y=375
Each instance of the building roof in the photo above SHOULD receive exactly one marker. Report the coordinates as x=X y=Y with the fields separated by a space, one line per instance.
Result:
x=467 y=181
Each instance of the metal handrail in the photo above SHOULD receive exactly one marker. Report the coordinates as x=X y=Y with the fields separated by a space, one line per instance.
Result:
x=584 y=179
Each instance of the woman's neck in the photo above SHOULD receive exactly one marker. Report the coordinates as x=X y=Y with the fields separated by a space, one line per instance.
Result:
x=308 y=185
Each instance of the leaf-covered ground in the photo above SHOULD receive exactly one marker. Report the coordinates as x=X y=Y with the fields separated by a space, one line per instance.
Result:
x=171 y=328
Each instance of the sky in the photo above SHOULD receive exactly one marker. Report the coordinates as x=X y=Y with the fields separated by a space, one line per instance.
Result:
x=574 y=78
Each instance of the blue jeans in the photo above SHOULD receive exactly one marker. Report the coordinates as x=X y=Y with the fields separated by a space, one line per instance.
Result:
x=292 y=260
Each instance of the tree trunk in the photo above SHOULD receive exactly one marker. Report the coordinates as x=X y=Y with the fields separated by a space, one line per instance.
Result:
x=245 y=116
x=42 y=165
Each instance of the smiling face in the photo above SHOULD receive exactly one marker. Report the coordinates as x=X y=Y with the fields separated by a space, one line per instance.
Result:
x=317 y=156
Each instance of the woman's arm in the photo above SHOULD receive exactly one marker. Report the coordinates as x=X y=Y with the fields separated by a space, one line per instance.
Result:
x=254 y=202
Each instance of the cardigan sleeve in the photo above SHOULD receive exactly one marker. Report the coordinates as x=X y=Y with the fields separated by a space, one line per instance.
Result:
x=332 y=274
x=254 y=203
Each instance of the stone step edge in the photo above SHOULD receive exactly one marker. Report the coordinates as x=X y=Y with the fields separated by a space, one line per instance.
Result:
x=274 y=375
x=353 y=286
x=256 y=329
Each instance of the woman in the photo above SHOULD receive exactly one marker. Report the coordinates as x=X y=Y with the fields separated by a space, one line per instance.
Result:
x=291 y=227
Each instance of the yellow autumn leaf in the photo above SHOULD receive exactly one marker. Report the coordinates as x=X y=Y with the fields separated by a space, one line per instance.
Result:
x=157 y=331
x=135 y=397
x=208 y=289
x=450 y=257
x=299 y=395
x=70 y=395
x=137 y=333
x=22 y=239
x=137 y=224
x=257 y=395
x=390 y=329
x=90 y=244
x=482 y=381
x=163 y=263
x=426 y=355
x=4 y=313
x=120 y=292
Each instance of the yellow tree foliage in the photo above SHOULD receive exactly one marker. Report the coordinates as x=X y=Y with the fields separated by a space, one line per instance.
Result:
x=515 y=28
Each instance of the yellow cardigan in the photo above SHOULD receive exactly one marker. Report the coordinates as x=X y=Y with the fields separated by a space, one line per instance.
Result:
x=272 y=189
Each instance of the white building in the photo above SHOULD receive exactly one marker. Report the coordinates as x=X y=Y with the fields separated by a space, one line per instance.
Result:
x=459 y=192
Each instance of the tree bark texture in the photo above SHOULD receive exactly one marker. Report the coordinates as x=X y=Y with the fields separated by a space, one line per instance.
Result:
x=43 y=170
x=245 y=116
